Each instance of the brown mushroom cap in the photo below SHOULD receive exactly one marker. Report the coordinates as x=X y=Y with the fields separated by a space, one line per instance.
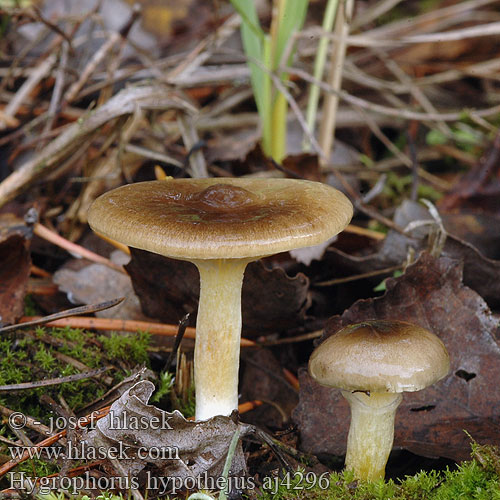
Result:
x=222 y=217
x=380 y=356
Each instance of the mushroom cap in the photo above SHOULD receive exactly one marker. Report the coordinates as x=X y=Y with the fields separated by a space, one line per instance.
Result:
x=380 y=356
x=221 y=217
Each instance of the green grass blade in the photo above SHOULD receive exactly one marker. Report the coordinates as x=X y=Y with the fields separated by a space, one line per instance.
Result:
x=253 y=38
x=248 y=14
x=292 y=16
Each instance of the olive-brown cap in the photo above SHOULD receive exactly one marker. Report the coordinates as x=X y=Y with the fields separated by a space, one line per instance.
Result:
x=380 y=356
x=221 y=217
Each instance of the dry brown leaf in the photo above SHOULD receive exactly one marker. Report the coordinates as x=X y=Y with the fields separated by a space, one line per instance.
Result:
x=168 y=289
x=165 y=445
x=482 y=274
x=263 y=380
x=305 y=165
x=97 y=283
x=15 y=262
x=429 y=422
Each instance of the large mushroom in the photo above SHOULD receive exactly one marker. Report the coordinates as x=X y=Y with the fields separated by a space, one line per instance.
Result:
x=220 y=225
x=373 y=362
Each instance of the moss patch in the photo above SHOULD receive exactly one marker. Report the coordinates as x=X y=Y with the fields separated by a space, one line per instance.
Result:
x=477 y=479
x=29 y=356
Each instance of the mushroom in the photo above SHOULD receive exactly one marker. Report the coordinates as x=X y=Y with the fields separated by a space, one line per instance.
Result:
x=220 y=225
x=373 y=362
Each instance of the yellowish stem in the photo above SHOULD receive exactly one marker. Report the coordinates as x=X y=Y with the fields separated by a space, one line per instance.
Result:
x=371 y=433
x=218 y=333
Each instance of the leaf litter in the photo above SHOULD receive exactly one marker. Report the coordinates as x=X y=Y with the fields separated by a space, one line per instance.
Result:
x=272 y=301
x=65 y=153
x=15 y=264
x=430 y=422
x=165 y=443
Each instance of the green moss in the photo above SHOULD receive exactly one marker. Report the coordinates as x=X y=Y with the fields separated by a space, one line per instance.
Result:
x=30 y=307
x=36 y=467
x=185 y=403
x=130 y=347
x=399 y=186
x=477 y=479
x=28 y=356
x=164 y=389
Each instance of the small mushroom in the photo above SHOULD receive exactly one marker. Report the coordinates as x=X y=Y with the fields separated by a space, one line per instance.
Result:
x=373 y=362
x=220 y=225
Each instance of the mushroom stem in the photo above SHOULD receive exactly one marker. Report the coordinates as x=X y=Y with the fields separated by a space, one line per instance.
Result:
x=218 y=333
x=371 y=434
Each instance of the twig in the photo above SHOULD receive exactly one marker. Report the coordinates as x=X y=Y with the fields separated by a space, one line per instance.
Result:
x=63 y=314
x=178 y=339
x=373 y=11
x=27 y=87
x=109 y=167
x=405 y=160
x=116 y=58
x=73 y=248
x=52 y=26
x=292 y=340
x=319 y=66
x=114 y=392
x=71 y=440
x=331 y=101
x=123 y=103
x=58 y=88
x=459 y=10
x=152 y=155
x=487 y=29
x=355 y=277
x=396 y=113
x=115 y=37
x=90 y=419
x=10 y=121
x=113 y=324
x=248 y=406
x=28 y=421
x=78 y=365
x=53 y=381
x=197 y=57
x=415 y=91
x=38 y=271
x=363 y=231
x=191 y=138
x=291 y=379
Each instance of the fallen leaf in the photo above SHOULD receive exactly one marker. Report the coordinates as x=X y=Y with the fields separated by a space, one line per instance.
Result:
x=15 y=263
x=306 y=255
x=479 y=187
x=480 y=230
x=430 y=422
x=263 y=380
x=480 y=273
x=272 y=301
x=97 y=283
x=305 y=165
x=165 y=444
